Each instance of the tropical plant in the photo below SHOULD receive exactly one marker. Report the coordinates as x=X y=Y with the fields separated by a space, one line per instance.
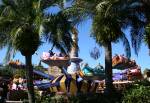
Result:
x=21 y=24
x=137 y=94
x=81 y=98
x=40 y=68
x=106 y=29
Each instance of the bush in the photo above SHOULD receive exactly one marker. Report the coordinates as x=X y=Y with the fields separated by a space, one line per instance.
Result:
x=82 y=98
x=6 y=71
x=17 y=95
x=53 y=99
x=19 y=73
x=137 y=94
x=144 y=82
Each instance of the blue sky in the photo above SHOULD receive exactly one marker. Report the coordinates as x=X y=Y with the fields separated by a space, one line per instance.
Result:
x=86 y=43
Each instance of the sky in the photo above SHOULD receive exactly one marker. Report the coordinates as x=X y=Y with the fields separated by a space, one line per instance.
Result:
x=86 y=44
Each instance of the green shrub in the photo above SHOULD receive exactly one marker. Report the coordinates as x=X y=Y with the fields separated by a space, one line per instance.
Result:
x=19 y=73
x=137 y=94
x=53 y=99
x=6 y=71
x=17 y=95
x=81 y=98
x=144 y=82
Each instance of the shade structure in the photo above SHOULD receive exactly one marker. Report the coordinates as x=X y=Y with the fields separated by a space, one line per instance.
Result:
x=55 y=60
x=72 y=84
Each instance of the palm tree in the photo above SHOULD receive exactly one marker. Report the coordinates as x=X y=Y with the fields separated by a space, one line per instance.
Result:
x=106 y=29
x=109 y=17
x=21 y=24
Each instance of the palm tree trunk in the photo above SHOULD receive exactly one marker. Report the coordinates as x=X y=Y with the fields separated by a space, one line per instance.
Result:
x=108 y=68
x=30 y=85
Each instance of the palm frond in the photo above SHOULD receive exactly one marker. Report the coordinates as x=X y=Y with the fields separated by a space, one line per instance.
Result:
x=58 y=31
x=9 y=53
x=137 y=36
x=126 y=45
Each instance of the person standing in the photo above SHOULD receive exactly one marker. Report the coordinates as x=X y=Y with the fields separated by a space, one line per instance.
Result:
x=4 y=92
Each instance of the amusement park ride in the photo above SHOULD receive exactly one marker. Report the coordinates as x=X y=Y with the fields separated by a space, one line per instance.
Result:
x=73 y=78
x=86 y=79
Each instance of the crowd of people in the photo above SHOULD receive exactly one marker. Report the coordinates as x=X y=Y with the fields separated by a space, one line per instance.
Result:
x=18 y=84
x=11 y=85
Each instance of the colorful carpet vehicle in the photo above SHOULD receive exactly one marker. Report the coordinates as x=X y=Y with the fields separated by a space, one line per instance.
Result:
x=121 y=62
x=55 y=59
x=96 y=73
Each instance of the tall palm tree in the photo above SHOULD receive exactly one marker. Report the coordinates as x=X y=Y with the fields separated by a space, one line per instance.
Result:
x=109 y=17
x=106 y=29
x=23 y=21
